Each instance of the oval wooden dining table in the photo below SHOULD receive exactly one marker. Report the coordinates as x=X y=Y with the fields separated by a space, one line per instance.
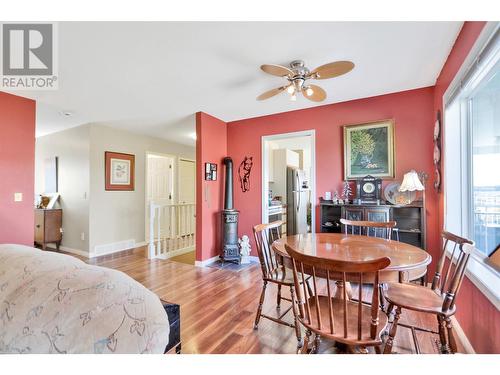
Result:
x=405 y=259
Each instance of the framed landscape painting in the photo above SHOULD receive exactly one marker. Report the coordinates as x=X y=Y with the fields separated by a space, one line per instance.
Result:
x=369 y=150
x=119 y=171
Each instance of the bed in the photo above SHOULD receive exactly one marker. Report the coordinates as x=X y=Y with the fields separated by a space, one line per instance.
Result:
x=56 y=303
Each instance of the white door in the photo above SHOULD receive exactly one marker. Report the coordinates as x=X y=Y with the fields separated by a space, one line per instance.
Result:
x=160 y=179
x=187 y=181
x=159 y=183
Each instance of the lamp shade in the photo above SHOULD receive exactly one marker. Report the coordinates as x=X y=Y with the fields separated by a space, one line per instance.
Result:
x=411 y=182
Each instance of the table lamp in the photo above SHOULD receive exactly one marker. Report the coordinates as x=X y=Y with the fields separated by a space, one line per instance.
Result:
x=411 y=182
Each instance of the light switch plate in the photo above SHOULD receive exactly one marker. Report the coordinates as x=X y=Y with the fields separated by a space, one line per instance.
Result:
x=18 y=197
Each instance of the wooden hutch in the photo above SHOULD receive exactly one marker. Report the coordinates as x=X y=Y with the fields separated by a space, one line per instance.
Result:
x=410 y=218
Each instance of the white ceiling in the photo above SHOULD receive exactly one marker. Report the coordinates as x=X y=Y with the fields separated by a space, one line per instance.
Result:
x=152 y=77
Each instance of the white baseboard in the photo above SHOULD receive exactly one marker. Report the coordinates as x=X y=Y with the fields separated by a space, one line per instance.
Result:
x=206 y=262
x=115 y=247
x=82 y=253
x=462 y=337
x=203 y=263
x=175 y=253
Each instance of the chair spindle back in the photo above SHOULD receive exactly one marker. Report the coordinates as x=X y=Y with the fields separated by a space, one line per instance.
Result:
x=449 y=274
x=265 y=235
x=383 y=229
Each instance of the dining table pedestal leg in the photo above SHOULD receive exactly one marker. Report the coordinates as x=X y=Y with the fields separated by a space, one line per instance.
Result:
x=339 y=292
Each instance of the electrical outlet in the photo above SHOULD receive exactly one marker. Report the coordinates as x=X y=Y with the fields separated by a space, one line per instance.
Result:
x=82 y=236
x=18 y=197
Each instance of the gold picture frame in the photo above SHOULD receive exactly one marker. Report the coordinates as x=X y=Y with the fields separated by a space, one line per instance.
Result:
x=369 y=150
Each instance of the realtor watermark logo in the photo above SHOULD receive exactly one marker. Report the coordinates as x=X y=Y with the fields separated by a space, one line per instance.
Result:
x=29 y=56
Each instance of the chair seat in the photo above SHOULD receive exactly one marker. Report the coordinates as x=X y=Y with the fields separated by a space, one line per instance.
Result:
x=282 y=276
x=415 y=297
x=352 y=321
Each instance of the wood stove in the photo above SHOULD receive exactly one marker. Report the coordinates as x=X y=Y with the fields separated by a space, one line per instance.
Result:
x=230 y=248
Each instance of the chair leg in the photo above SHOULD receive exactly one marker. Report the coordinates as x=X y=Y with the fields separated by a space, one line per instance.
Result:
x=380 y=296
x=392 y=332
x=378 y=349
x=305 y=346
x=390 y=307
x=442 y=334
x=451 y=339
x=261 y=302
x=295 y=321
x=317 y=341
x=278 y=297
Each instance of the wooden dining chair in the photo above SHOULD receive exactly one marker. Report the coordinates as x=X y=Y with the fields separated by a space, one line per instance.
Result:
x=336 y=317
x=274 y=271
x=381 y=229
x=438 y=300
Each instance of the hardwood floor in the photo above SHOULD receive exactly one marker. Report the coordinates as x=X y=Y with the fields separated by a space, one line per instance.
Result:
x=188 y=258
x=218 y=307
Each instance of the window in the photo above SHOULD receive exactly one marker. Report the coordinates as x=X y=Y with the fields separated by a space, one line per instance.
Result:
x=484 y=114
x=472 y=159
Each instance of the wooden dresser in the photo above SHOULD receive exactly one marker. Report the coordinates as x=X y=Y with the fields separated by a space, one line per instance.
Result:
x=48 y=227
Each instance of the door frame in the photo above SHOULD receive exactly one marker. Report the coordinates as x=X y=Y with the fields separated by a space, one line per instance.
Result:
x=265 y=174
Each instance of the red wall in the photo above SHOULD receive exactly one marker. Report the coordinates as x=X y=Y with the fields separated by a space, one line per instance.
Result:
x=477 y=316
x=413 y=115
x=17 y=163
x=211 y=147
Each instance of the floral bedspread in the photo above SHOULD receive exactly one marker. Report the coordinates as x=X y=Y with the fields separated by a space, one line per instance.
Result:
x=55 y=303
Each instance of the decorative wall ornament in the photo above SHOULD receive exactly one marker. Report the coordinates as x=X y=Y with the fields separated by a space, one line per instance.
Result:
x=244 y=173
x=437 y=153
x=119 y=171
x=369 y=150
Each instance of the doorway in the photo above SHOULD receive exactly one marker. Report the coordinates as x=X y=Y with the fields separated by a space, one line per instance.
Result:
x=170 y=207
x=289 y=181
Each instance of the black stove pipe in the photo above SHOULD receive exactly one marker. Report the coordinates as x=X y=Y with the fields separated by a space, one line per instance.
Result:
x=228 y=199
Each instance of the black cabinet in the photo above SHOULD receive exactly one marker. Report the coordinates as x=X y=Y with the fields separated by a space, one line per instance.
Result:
x=410 y=219
x=330 y=218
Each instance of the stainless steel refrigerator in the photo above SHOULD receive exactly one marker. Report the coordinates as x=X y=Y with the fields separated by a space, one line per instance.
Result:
x=297 y=199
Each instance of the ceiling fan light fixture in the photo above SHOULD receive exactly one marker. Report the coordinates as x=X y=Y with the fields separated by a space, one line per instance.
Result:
x=298 y=74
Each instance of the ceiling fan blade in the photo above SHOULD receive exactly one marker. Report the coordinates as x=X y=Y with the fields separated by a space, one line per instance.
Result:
x=277 y=70
x=271 y=93
x=317 y=95
x=331 y=70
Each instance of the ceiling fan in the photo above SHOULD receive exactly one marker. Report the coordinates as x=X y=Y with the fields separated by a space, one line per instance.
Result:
x=297 y=75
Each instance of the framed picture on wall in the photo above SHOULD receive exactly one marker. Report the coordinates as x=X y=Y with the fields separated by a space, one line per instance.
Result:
x=210 y=172
x=369 y=150
x=119 y=171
